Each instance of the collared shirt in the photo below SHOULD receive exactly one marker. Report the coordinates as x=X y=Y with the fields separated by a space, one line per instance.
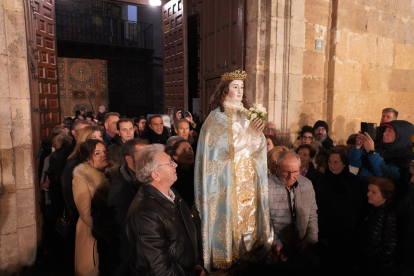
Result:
x=170 y=196
x=108 y=136
x=304 y=171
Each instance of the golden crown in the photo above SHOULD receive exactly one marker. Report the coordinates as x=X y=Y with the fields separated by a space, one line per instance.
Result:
x=235 y=75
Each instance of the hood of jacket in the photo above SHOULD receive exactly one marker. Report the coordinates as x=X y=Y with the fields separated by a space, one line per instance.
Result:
x=403 y=133
x=397 y=152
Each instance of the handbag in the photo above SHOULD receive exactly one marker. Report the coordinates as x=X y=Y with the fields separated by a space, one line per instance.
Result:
x=62 y=225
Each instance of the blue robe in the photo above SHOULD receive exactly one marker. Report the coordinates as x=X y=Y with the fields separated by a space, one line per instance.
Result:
x=231 y=194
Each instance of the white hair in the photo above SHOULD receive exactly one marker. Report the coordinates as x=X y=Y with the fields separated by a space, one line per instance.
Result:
x=270 y=122
x=289 y=154
x=146 y=162
x=173 y=139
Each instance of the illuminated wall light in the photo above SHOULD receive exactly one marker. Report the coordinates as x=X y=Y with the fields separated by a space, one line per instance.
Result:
x=155 y=2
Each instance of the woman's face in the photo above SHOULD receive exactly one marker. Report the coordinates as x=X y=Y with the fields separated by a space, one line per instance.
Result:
x=99 y=158
x=236 y=90
x=307 y=138
x=97 y=135
x=185 y=154
x=305 y=158
x=269 y=143
x=374 y=195
x=142 y=124
x=335 y=163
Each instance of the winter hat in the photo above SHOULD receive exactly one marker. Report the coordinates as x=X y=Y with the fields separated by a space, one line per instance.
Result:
x=321 y=124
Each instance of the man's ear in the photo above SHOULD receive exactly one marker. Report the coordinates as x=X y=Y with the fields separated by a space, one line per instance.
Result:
x=73 y=132
x=155 y=176
x=128 y=158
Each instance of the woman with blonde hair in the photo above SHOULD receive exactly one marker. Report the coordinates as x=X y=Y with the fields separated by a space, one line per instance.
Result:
x=272 y=158
x=87 y=133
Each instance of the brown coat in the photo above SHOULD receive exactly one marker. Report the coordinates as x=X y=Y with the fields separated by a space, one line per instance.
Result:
x=86 y=180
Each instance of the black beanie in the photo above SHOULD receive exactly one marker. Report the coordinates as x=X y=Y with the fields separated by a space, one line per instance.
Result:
x=321 y=124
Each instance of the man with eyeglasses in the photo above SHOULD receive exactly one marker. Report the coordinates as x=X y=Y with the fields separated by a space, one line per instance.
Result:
x=159 y=224
x=321 y=131
x=270 y=128
x=293 y=208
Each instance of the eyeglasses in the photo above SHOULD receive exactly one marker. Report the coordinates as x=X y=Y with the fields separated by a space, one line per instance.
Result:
x=171 y=164
x=269 y=128
x=307 y=137
x=292 y=173
x=100 y=153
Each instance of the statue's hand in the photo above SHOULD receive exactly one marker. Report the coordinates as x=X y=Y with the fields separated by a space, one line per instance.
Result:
x=257 y=125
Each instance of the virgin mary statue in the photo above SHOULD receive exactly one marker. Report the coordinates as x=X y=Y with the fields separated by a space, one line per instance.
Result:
x=231 y=177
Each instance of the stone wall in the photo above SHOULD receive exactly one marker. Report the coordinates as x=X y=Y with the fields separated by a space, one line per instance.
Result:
x=366 y=63
x=371 y=62
x=17 y=203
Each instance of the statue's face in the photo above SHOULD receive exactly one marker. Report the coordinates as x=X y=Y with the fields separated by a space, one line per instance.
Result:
x=236 y=90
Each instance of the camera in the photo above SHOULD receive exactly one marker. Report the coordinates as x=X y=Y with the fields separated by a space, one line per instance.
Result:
x=185 y=113
x=370 y=128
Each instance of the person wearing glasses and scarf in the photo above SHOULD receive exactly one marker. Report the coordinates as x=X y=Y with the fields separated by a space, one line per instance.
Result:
x=91 y=184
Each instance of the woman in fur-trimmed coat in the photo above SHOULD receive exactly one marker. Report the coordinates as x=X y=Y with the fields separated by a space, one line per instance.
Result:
x=91 y=184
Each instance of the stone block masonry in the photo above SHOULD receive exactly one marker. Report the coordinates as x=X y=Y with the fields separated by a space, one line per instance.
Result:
x=18 y=242
x=366 y=64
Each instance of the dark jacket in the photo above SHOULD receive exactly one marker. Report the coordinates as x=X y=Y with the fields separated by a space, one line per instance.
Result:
x=155 y=138
x=67 y=177
x=124 y=186
x=115 y=150
x=185 y=184
x=162 y=233
x=378 y=241
x=101 y=116
x=338 y=197
x=105 y=139
x=390 y=160
x=328 y=143
x=406 y=230
x=312 y=174
x=62 y=158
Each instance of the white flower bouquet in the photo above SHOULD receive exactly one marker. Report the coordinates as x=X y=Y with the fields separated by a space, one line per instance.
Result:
x=257 y=111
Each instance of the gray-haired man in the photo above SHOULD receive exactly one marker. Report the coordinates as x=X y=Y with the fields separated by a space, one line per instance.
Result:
x=160 y=229
x=292 y=211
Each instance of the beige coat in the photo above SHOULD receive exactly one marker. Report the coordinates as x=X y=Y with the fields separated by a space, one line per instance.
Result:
x=86 y=179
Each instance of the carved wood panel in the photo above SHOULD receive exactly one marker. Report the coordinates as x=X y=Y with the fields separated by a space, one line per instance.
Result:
x=221 y=43
x=79 y=80
x=47 y=66
x=175 y=55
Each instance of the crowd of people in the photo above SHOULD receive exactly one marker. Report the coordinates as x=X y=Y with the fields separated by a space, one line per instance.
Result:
x=118 y=197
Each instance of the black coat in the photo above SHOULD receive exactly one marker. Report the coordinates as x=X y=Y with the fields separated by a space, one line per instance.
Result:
x=312 y=174
x=115 y=150
x=124 y=186
x=339 y=204
x=378 y=241
x=62 y=158
x=185 y=184
x=155 y=138
x=406 y=230
x=328 y=143
x=162 y=233
x=67 y=177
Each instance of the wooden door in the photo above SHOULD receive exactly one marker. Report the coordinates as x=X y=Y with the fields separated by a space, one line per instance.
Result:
x=222 y=43
x=32 y=62
x=47 y=66
x=175 y=55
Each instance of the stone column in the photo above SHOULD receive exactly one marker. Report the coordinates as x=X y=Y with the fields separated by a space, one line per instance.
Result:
x=275 y=41
x=17 y=203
